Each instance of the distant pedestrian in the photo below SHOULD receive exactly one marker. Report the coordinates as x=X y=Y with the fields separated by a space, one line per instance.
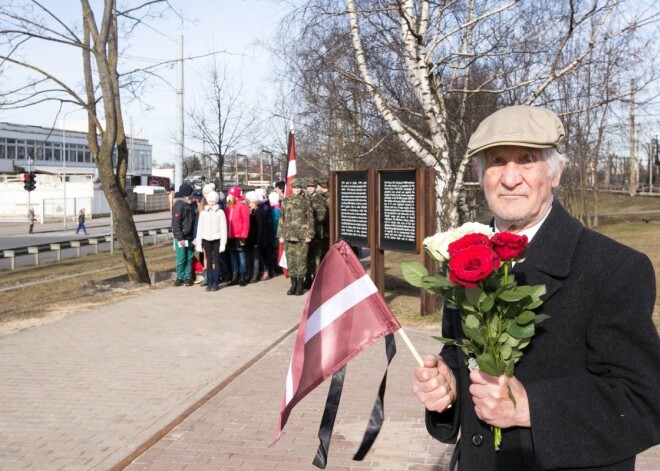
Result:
x=31 y=219
x=81 y=222
x=183 y=226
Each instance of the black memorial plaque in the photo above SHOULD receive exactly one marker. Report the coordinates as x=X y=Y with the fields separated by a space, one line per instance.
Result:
x=353 y=210
x=398 y=210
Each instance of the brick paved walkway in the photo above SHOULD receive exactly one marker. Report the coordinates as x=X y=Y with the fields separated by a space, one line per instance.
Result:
x=89 y=391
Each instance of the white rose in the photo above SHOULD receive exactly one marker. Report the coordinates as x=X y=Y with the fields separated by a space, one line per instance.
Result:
x=437 y=245
x=475 y=228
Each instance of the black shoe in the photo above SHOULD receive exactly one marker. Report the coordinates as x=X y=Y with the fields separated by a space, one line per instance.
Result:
x=300 y=286
x=243 y=280
x=215 y=288
x=189 y=282
x=178 y=282
x=294 y=284
x=234 y=279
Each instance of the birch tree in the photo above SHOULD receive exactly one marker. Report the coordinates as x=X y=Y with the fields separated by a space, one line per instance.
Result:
x=462 y=60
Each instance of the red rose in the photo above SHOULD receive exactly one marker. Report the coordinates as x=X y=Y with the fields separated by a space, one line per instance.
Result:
x=472 y=265
x=466 y=241
x=509 y=246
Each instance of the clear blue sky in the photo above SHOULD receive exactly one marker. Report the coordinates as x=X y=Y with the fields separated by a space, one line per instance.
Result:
x=233 y=26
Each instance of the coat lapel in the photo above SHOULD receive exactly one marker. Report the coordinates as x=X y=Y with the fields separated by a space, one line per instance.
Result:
x=548 y=257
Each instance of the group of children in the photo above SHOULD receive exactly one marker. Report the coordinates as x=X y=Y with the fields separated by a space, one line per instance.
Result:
x=232 y=238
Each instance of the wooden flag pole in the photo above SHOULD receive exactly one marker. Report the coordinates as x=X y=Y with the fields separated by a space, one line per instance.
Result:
x=411 y=347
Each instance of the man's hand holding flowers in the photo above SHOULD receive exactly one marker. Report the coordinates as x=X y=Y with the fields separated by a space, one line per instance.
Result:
x=497 y=320
x=492 y=404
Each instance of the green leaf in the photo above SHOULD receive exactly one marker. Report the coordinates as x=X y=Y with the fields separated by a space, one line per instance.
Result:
x=487 y=304
x=511 y=296
x=435 y=283
x=476 y=336
x=525 y=318
x=471 y=321
x=493 y=327
x=533 y=291
x=413 y=272
x=514 y=342
x=445 y=340
x=474 y=295
x=540 y=318
x=505 y=351
x=522 y=331
x=487 y=364
x=534 y=304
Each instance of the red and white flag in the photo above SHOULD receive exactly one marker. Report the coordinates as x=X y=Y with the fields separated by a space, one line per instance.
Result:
x=281 y=259
x=344 y=314
x=291 y=171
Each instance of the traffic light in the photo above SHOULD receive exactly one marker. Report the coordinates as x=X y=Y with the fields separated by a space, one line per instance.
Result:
x=29 y=181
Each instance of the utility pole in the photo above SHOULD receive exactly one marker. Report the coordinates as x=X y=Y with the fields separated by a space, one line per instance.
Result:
x=634 y=168
x=178 y=155
x=653 y=152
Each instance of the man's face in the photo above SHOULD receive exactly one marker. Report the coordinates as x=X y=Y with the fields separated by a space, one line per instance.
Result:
x=517 y=186
x=311 y=190
x=296 y=190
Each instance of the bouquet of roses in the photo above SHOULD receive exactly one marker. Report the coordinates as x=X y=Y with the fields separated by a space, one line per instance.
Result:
x=497 y=315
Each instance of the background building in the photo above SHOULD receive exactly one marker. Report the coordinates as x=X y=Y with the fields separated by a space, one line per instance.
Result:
x=67 y=178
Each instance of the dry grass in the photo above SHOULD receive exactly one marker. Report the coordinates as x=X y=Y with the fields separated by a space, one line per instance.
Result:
x=51 y=291
x=63 y=293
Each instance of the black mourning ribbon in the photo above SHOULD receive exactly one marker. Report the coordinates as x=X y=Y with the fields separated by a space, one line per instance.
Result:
x=332 y=405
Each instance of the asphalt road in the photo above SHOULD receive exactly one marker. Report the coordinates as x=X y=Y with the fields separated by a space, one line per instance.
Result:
x=13 y=235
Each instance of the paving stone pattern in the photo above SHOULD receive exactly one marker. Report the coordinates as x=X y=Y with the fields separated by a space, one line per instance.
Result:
x=88 y=391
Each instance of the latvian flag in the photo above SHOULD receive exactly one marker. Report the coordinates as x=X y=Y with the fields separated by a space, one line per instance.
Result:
x=344 y=314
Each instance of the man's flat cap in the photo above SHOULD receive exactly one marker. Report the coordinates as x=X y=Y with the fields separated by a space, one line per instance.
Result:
x=525 y=126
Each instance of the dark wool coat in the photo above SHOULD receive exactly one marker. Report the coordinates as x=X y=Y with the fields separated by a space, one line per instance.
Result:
x=592 y=371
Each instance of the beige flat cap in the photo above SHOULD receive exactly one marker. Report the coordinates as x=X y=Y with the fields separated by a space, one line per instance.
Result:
x=526 y=126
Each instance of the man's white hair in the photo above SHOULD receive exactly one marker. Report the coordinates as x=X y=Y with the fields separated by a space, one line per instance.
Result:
x=554 y=159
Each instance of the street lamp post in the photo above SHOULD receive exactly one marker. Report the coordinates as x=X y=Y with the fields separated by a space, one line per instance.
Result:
x=264 y=151
x=64 y=154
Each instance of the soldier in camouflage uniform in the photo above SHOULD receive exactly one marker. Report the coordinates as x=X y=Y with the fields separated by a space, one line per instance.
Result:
x=320 y=212
x=322 y=189
x=296 y=231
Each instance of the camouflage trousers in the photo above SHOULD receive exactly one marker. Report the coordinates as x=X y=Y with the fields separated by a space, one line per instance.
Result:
x=314 y=256
x=296 y=257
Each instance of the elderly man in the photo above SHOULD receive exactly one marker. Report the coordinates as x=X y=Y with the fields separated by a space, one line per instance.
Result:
x=587 y=389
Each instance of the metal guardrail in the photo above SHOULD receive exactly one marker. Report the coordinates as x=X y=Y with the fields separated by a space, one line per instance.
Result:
x=36 y=250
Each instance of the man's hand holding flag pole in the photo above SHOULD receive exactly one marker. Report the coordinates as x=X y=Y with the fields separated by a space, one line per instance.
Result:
x=344 y=314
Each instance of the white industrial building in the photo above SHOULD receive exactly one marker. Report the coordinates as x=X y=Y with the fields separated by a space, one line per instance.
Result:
x=64 y=184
